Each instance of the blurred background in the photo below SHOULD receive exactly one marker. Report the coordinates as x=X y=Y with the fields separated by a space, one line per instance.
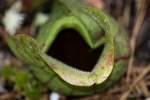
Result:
x=132 y=15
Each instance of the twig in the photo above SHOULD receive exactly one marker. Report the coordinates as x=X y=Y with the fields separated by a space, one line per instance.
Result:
x=144 y=88
x=139 y=21
x=140 y=77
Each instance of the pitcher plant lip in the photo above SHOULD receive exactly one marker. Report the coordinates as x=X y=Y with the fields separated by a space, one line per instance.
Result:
x=81 y=78
x=101 y=70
